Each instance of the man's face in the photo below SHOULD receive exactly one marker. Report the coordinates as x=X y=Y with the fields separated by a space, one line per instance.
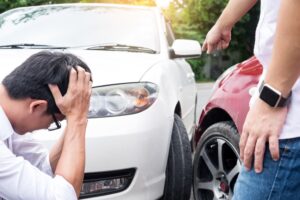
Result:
x=37 y=121
x=48 y=120
x=56 y=122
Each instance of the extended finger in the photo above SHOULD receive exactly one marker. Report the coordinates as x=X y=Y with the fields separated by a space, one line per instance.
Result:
x=72 y=79
x=259 y=154
x=220 y=46
x=274 y=147
x=80 y=77
x=87 y=78
x=87 y=82
x=204 y=47
x=248 y=153
x=242 y=144
x=90 y=88
x=224 y=44
x=210 y=48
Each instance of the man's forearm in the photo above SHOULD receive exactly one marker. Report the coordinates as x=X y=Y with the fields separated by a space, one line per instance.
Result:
x=72 y=160
x=234 y=11
x=55 y=152
x=284 y=68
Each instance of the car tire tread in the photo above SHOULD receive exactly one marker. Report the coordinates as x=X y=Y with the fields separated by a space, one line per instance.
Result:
x=179 y=167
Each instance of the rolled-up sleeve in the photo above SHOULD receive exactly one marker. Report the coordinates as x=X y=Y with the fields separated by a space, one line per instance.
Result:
x=19 y=180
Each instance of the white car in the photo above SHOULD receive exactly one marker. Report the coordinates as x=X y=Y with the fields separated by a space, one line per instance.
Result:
x=142 y=112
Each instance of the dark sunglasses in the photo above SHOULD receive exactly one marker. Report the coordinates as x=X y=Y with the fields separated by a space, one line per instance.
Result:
x=55 y=125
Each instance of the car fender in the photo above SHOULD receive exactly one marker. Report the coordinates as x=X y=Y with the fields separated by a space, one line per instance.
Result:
x=164 y=74
x=230 y=100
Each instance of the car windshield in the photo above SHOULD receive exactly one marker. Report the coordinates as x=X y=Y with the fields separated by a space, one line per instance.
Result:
x=79 y=26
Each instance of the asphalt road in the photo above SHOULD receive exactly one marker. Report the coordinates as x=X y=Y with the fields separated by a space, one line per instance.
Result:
x=204 y=92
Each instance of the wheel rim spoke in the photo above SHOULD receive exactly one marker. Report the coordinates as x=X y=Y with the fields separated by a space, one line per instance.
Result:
x=220 y=156
x=235 y=170
x=222 y=162
x=209 y=164
x=209 y=185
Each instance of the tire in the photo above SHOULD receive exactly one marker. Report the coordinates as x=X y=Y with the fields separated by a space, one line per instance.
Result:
x=179 y=167
x=216 y=162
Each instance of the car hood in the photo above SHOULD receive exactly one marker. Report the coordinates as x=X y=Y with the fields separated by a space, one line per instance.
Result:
x=108 y=67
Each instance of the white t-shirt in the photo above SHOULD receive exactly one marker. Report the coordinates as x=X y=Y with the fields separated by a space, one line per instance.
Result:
x=25 y=171
x=264 y=40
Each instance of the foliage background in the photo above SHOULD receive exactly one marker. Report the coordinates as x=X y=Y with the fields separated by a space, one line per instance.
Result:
x=193 y=19
x=190 y=19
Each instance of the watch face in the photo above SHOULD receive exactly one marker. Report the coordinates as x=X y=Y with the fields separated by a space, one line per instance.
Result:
x=269 y=96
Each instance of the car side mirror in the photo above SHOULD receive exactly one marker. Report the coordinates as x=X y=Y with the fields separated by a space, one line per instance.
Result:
x=185 y=49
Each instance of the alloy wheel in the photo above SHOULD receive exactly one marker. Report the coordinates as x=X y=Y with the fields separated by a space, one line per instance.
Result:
x=217 y=169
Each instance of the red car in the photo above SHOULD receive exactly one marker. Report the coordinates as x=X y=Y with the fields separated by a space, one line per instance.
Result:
x=216 y=155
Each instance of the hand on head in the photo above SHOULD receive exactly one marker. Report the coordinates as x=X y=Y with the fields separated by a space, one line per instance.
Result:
x=75 y=103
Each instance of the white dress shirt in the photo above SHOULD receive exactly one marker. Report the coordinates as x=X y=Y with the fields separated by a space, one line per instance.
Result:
x=25 y=171
x=264 y=41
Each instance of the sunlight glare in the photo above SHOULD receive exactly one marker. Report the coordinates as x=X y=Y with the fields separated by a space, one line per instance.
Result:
x=163 y=3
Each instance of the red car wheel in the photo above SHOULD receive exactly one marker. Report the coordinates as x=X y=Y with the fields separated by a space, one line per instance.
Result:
x=216 y=162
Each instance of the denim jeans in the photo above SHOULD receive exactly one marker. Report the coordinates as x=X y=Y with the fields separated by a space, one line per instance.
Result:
x=280 y=180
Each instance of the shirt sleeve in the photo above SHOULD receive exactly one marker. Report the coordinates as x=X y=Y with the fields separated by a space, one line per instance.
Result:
x=33 y=151
x=20 y=180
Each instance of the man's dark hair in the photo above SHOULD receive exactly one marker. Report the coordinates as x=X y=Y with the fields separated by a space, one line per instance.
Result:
x=32 y=77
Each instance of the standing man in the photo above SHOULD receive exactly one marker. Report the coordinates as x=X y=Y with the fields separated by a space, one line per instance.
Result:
x=46 y=88
x=270 y=141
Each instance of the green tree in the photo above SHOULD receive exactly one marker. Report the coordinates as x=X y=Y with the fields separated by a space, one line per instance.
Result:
x=131 y=2
x=205 y=14
x=193 y=19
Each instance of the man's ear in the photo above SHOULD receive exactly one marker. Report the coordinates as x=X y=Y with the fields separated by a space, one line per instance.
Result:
x=38 y=106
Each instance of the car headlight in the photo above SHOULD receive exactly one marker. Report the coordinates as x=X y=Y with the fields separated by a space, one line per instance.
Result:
x=123 y=99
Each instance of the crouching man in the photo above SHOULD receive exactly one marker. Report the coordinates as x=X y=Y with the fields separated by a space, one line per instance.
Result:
x=46 y=88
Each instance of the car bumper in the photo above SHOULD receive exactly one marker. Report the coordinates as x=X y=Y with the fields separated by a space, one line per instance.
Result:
x=140 y=141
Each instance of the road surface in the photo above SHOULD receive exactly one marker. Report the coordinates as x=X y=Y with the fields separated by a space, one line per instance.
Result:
x=204 y=91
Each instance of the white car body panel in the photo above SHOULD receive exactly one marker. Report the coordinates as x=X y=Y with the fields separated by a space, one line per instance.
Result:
x=141 y=140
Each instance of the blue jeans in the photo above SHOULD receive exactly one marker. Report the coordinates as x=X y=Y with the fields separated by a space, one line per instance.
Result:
x=280 y=180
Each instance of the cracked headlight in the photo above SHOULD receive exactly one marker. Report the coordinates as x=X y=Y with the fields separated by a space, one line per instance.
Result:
x=123 y=99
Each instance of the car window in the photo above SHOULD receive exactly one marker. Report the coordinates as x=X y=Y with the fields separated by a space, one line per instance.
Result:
x=74 y=26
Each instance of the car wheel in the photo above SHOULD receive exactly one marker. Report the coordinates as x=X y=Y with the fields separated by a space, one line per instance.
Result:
x=179 y=167
x=216 y=162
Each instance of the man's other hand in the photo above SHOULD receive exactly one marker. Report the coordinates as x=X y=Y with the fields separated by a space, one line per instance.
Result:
x=263 y=124
x=217 y=38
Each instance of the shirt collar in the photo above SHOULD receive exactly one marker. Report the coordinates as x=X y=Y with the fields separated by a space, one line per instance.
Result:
x=6 y=129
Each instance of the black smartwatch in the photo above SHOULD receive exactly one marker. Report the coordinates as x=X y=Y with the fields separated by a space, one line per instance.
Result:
x=273 y=97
